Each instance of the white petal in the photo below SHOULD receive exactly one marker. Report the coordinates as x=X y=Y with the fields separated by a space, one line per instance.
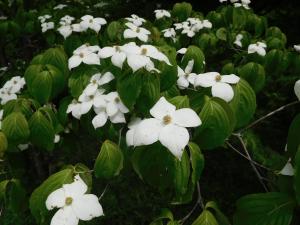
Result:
x=182 y=51
x=147 y=132
x=85 y=107
x=129 y=137
x=100 y=119
x=182 y=82
x=206 y=79
x=90 y=89
x=297 y=89
x=99 y=101
x=56 y=199
x=129 y=34
x=287 y=170
x=106 y=52
x=75 y=189
x=223 y=91
x=189 y=66
x=186 y=118
x=65 y=216
x=111 y=108
x=230 y=79
x=118 y=118
x=118 y=59
x=137 y=61
x=87 y=207
x=142 y=37
x=180 y=72
x=162 y=108
x=122 y=107
x=91 y=59
x=100 y=20
x=96 y=27
x=74 y=61
x=174 y=138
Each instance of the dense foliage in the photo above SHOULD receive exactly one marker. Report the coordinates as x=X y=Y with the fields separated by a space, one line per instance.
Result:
x=166 y=120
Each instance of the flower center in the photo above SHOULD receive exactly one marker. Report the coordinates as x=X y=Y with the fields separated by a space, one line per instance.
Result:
x=167 y=119
x=91 y=97
x=118 y=49
x=138 y=30
x=68 y=201
x=81 y=55
x=218 y=78
x=91 y=21
x=94 y=81
x=15 y=82
x=144 y=51
x=186 y=75
x=117 y=99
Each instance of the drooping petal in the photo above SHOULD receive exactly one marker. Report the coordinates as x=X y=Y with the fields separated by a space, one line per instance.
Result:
x=147 y=132
x=87 y=207
x=99 y=100
x=136 y=62
x=189 y=67
x=206 y=79
x=122 y=107
x=180 y=71
x=287 y=170
x=111 y=108
x=96 y=27
x=174 y=138
x=100 y=119
x=56 y=199
x=162 y=108
x=186 y=118
x=118 y=59
x=129 y=34
x=85 y=107
x=74 y=61
x=230 y=79
x=182 y=82
x=118 y=118
x=75 y=189
x=223 y=91
x=64 y=216
x=91 y=59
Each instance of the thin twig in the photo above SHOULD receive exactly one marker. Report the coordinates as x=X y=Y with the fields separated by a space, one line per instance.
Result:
x=251 y=163
x=241 y=154
x=268 y=115
x=105 y=189
x=120 y=136
x=198 y=202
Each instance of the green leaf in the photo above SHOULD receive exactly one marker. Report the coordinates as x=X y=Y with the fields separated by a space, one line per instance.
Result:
x=3 y=144
x=293 y=140
x=39 y=195
x=221 y=218
x=109 y=162
x=239 y=17
x=205 y=218
x=182 y=174
x=264 y=209
x=215 y=116
x=180 y=102
x=274 y=62
x=254 y=74
x=243 y=103
x=16 y=128
x=129 y=87
x=58 y=58
x=42 y=87
x=182 y=10
x=41 y=131
x=196 y=54
x=297 y=176
x=164 y=214
x=25 y=106
x=114 y=31
x=197 y=161
x=221 y=33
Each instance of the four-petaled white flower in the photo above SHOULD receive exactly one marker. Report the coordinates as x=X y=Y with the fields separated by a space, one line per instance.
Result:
x=89 y=21
x=11 y=88
x=73 y=203
x=85 y=54
x=186 y=77
x=96 y=81
x=136 y=20
x=192 y=26
x=60 y=6
x=66 y=27
x=136 y=32
x=219 y=84
x=43 y=18
x=47 y=26
x=259 y=48
x=160 y=13
x=75 y=108
x=96 y=99
x=168 y=126
x=238 y=40
x=118 y=56
x=297 y=89
x=170 y=33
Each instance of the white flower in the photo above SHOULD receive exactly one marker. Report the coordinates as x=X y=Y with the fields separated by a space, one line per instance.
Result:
x=207 y=24
x=130 y=133
x=47 y=26
x=23 y=147
x=88 y=101
x=118 y=56
x=136 y=32
x=192 y=25
x=76 y=27
x=297 y=48
x=238 y=39
x=73 y=203
x=186 y=77
x=60 y=6
x=6 y=96
x=136 y=20
x=288 y=169
x=65 y=30
x=56 y=138
x=92 y=23
x=96 y=81
x=114 y=109
x=3 y=17
x=75 y=108
x=168 y=126
x=219 y=84
x=15 y=84
x=170 y=33
x=85 y=54
x=297 y=89
x=160 y=13
x=43 y=18
x=139 y=57
x=259 y=48
x=233 y=1
x=3 y=69
x=182 y=51
x=179 y=26
x=221 y=1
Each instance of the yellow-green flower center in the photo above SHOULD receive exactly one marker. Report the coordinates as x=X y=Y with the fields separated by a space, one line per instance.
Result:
x=167 y=119
x=81 y=55
x=144 y=51
x=218 y=78
x=138 y=30
x=69 y=201
x=117 y=99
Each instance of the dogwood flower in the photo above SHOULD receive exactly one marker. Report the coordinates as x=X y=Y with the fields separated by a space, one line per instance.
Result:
x=60 y=6
x=47 y=26
x=287 y=170
x=66 y=20
x=65 y=30
x=136 y=20
x=168 y=126
x=96 y=81
x=238 y=40
x=43 y=18
x=192 y=25
x=118 y=56
x=89 y=21
x=186 y=77
x=160 y=13
x=219 y=84
x=6 y=96
x=23 y=147
x=170 y=33
x=88 y=101
x=259 y=48
x=15 y=84
x=297 y=48
x=73 y=203
x=297 y=89
x=85 y=54
x=136 y=32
